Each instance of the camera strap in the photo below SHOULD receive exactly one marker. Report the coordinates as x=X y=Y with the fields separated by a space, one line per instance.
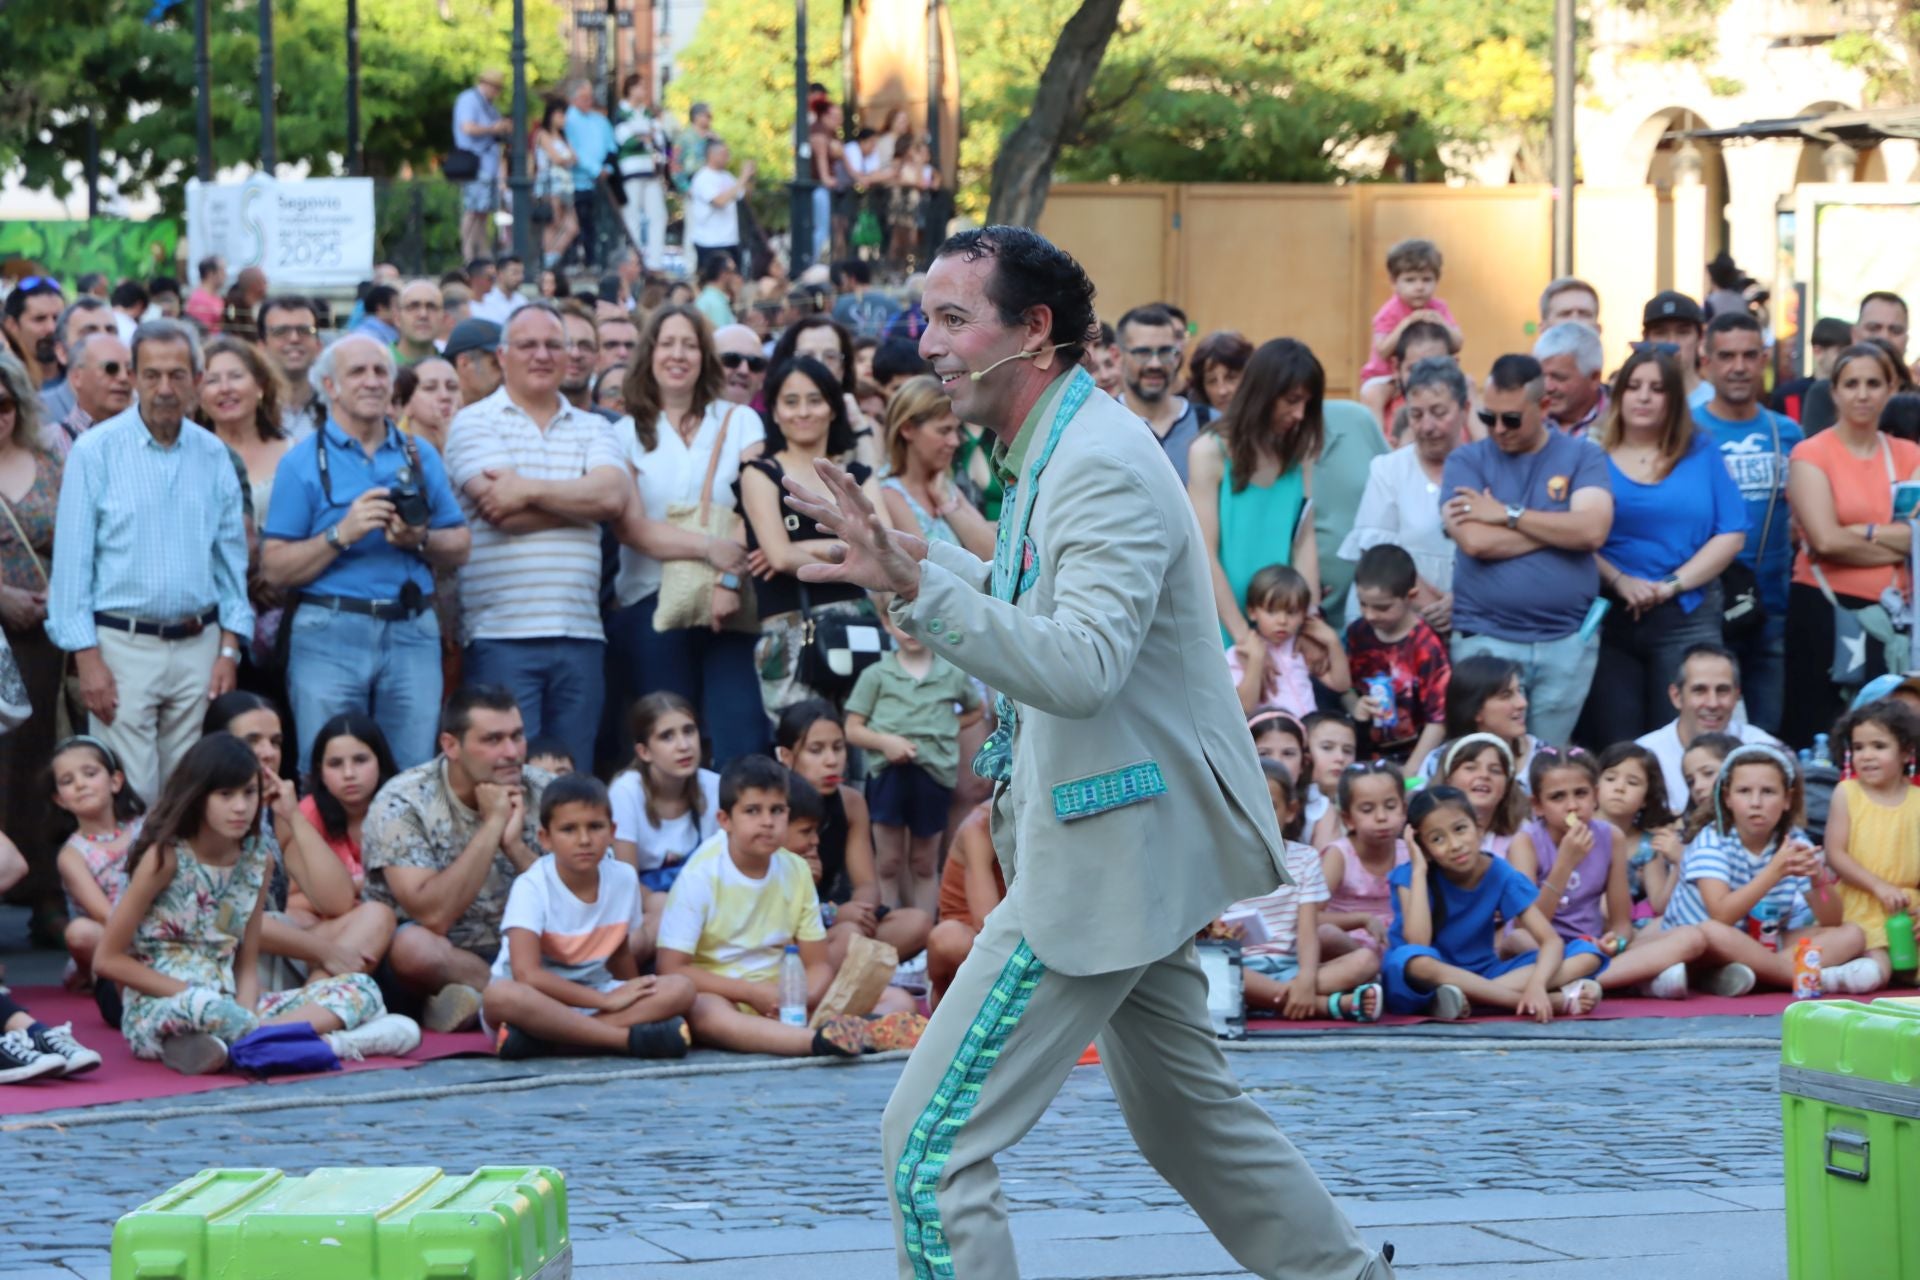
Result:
x=407 y=443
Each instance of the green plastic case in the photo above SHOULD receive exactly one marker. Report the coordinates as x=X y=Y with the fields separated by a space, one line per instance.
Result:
x=1850 y=1107
x=367 y=1224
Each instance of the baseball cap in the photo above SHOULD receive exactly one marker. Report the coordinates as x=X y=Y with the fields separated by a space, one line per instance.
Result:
x=1885 y=687
x=493 y=76
x=472 y=335
x=1672 y=305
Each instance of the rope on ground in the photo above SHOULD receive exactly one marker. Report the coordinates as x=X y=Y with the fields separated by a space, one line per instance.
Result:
x=279 y=1101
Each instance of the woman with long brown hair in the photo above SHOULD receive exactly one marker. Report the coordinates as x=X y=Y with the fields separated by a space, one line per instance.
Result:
x=241 y=399
x=1250 y=476
x=1678 y=522
x=679 y=429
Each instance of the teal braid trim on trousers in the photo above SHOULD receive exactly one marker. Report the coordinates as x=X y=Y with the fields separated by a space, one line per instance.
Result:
x=916 y=1179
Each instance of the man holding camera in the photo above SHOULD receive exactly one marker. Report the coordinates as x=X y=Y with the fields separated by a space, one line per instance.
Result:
x=361 y=516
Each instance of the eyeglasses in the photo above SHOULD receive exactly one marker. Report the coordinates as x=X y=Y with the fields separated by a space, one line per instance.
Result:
x=1166 y=355
x=420 y=304
x=733 y=360
x=532 y=345
x=1511 y=419
x=292 y=331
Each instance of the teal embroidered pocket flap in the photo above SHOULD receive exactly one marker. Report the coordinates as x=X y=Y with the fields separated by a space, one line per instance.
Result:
x=1130 y=784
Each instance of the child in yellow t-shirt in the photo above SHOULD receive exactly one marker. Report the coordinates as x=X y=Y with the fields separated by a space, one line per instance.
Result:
x=1873 y=835
x=737 y=905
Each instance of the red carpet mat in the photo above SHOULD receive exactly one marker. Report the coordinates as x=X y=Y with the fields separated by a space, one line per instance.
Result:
x=1758 y=1005
x=121 y=1077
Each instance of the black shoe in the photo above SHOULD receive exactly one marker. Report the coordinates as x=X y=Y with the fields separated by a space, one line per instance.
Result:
x=516 y=1044
x=21 y=1059
x=106 y=997
x=667 y=1038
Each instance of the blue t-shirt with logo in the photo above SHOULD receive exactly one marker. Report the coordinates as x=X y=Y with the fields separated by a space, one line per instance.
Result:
x=1758 y=465
x=1545 y=594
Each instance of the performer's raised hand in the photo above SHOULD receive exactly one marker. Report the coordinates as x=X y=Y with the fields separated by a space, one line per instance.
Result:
x=868 y=554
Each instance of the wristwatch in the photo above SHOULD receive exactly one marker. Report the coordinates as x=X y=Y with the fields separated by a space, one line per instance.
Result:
x=1514 y=513
x=230 y=653
x=333 y=538
x=731 y=581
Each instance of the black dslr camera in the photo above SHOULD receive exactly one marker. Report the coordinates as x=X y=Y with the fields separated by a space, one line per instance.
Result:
x=408 y=498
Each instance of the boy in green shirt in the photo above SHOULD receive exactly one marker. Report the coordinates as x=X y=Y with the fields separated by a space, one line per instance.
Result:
x=908 y=709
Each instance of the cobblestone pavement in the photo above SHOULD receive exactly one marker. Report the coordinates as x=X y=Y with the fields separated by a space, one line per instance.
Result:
x=1499 y=1160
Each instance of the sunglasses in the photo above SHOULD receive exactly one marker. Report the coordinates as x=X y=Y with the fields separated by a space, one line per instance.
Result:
x=112 y=368
x=1660 y=348
x=292 y=331
x=733 y=360
x=38 y=284
x=1164 y=354
x=1511 y=419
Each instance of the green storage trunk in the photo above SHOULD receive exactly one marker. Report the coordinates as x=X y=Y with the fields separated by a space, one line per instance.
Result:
x=351 y=1224
x=1850 y=1106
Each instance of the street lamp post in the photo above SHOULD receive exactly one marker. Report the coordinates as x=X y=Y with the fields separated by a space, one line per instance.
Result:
x=800 y=218
x=353 y=88
x=1564 y=74
x=519 y=181
x=203 y=94
x=267 y=156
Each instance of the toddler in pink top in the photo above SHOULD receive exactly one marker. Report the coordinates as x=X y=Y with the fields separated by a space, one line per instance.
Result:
x=1372 y=801
x=1267 y=664
x=1414 y=268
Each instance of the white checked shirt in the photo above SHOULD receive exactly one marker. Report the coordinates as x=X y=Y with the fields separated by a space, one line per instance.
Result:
x=147 y=532
x=529 y=586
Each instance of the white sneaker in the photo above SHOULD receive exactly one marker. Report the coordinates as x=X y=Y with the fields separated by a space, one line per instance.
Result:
x=1669 y=984
x=1734 y=979
x=388 y=1036
x=59 y=1041
x=21 y=1059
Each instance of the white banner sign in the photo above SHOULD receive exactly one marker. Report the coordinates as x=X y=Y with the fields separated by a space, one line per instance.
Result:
x=310 y=233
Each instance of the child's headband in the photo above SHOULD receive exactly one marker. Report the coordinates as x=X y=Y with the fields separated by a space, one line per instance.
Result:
x=88 y=740
x=1474 y=740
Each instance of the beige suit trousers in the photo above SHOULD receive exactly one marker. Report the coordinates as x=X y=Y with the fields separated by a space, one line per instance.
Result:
x=163 y=700
x=998 y=1050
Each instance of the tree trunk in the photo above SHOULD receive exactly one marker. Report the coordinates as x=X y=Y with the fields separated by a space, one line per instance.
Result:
x=1024 y=169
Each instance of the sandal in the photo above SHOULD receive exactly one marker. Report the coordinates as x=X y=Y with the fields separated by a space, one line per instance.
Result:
x=1357 y=1010
x=892 y=1031
x=1570 y=997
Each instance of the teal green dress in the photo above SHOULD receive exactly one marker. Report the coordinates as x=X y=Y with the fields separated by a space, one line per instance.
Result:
x=1257 y=526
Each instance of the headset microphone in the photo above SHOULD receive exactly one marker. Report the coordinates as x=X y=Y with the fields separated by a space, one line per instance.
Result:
x=1019 y=355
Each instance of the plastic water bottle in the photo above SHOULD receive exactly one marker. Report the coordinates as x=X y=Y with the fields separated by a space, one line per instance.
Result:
x=1900 y=946
x=1806 y=755
x=1380 y=689
x=1822 y=753
x=793 y=988
x=1806 y=970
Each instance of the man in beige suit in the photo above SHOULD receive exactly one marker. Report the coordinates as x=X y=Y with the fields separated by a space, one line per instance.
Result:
x=1128 y=807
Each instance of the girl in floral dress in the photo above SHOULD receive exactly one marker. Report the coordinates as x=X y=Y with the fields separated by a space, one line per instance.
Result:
x=183 y=939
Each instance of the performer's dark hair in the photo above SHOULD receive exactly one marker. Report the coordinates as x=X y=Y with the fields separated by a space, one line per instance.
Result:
x=1031 y=271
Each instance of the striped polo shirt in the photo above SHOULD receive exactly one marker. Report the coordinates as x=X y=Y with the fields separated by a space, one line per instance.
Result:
x=529 y=586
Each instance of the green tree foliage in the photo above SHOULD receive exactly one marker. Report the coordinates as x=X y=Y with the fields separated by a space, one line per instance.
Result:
x=1190 y=90
x=101 y=59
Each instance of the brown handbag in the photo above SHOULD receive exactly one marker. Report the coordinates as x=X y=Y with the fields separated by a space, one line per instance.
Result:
x=687 y=586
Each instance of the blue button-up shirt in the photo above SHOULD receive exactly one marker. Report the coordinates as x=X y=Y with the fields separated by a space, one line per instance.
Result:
x=147 y=531
x=590 y=136
x=372 y=568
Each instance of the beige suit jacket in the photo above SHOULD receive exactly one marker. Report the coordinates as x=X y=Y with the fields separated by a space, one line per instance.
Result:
x=1137 y=810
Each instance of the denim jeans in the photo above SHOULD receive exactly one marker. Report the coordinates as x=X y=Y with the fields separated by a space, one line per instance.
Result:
x=712 y=671
x=1639 y=660
x=1556 y=674
x=558 y=682
x=1763 y=671
x=339 y=662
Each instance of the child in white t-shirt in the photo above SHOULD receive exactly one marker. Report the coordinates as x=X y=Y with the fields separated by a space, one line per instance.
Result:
x=739 y=903
x=664 y=807
x=1281 y=952
x=565 y=976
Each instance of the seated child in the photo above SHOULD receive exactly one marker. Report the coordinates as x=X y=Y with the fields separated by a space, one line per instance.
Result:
x=550 y=753
x=1480 y=766
x=664 y=807
x=811 y=741
x=89 y=788
x=1372 y=801
x=1332 y=744
x=30 y=1048
x=738 y=904
x=971 y=886
x=1579 y=862
x=1278 y=735
x=1700 y=765
x=1268 y=665
x=1633 y=797
x=1413 y=266
x=565 y=976
x=1391 y=640
x=183 y=941
x=1751 y=866
x=907 y=711
x=351 y=762
x=1449 y=901
x=1873 y=824
x=1283 y=973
